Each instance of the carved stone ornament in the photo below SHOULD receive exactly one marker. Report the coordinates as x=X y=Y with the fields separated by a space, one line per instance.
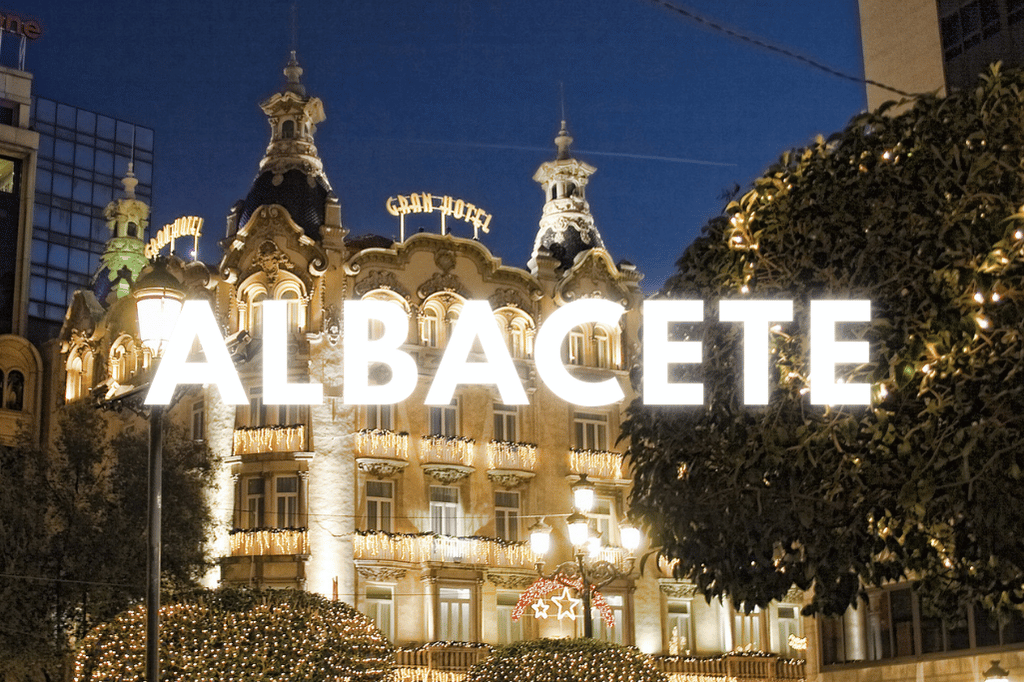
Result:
x=444 y=259
x=447 y=474
x=512 y=581
x=381 y=468
x=677 y=589
x=441 y=282
x=380 y=279
x=503 y=298
x=270 y=259
x=378 y=573
x=794 y=596
x=509 y=479
x=332 y=325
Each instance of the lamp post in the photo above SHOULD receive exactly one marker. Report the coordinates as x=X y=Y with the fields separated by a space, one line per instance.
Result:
x=996 y=673
x=592 y=573
x=158 y=301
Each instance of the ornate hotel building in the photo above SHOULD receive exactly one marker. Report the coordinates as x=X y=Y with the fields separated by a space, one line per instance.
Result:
x=418 y=515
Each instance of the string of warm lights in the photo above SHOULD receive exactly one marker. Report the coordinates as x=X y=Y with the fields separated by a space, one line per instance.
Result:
x=446 y=450
x=269 y=542
x=420 y=547
x=238 y=635
x=259 y=439
x=515 y=456
x=545 y=586
x=595 y=463
x=567 y=660
x=382 y=443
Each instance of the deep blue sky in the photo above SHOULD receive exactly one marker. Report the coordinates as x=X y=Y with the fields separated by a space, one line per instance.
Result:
x=462 y=98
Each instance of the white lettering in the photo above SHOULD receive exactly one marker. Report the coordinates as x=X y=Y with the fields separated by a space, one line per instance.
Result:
x=826 y=352
x=660 y=352
x=756 y=317
x=360 y=351
x=276 y=388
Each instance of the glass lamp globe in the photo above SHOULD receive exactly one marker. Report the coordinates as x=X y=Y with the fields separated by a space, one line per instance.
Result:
x=158 y=300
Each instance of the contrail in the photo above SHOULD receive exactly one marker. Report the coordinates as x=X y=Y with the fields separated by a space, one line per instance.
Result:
x=484 y=145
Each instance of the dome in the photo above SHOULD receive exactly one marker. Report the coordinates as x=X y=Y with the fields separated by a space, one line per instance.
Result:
x=304 y=196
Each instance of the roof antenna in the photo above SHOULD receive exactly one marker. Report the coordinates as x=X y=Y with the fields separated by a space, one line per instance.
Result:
x=295 y=26
x=561 y=87
x=563 y=140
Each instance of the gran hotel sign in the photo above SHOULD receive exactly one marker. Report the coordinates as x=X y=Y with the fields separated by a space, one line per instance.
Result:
x=477 y=325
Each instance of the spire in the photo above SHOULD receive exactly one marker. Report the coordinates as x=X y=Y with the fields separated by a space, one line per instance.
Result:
x=293 y=116
x=566 y=225
x=124 y=254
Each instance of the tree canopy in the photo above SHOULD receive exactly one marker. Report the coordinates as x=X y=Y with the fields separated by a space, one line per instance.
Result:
x=241 y=634
x=920 y=213
x=73 y=533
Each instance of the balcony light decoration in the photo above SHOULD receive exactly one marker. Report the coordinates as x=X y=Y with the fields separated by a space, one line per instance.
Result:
x=382 y=443
x=596 y=463
x=515 y=456
x=447 y=450
x=261 y=439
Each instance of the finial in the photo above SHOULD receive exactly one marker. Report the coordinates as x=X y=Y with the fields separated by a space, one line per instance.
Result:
x=292 y=72
x=562 y=142
x=130 y=181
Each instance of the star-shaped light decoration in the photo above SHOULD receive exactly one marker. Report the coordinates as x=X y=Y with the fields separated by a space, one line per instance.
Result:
x=540 y=609
x=566 y=604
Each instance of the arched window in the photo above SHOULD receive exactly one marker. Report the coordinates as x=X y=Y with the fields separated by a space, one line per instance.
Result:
x=124 y=359
x=602 y=347
x=518 y=329
x=288 y=129
x=438 y=315
x=79 y=374
x=376 y=328
x=577 y=354
x=14 y=391
x=430 y=327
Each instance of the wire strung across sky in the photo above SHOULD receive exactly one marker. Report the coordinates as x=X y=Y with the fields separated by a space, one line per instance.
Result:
x=761 y=42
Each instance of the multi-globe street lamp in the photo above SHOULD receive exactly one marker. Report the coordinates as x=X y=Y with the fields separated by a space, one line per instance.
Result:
x=586 y=572
x=158 y=301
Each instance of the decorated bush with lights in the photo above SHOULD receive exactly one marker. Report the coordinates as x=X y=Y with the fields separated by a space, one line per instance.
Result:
x=921 y=214
x=566 y=660
x=237 y=634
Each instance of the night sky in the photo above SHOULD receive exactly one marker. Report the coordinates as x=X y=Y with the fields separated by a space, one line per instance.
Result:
x=463 y=98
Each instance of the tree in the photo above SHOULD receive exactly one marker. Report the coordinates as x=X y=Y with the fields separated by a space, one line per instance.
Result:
x=566 y=660
x=241 y=634
x=917 y=213
x=73 y=534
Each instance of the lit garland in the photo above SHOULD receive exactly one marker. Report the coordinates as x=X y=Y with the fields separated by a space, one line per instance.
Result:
x=446 y=450
x=421 y=547
x=567 y=660
x=234 y=634
x=543 y=587
x=515 y=456
x=595 y=463
x=746 y=664
x=260 y=439
x=269 y=541
x=382 y=443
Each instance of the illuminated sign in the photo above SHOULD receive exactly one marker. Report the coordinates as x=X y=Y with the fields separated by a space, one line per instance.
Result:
x=186 y=226
x=423 y=202
x=26 y=28
x=476 y=327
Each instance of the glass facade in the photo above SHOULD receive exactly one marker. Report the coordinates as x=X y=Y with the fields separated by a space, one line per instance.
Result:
x=82 y=157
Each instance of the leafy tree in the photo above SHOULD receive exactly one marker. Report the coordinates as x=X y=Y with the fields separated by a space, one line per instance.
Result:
x=241 y=634
x=566 y=660
x=73 y=534
x=917 y=213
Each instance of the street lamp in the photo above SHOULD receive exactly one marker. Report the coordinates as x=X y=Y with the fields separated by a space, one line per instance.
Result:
x=590 y=572
x=158 y=301
x=996 y=673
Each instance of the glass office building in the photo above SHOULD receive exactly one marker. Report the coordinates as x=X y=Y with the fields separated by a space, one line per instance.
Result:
x=82 y=157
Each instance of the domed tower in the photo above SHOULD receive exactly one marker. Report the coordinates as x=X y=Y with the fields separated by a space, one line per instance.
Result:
x=566 y=225
x=291 y=173
x=124 y=255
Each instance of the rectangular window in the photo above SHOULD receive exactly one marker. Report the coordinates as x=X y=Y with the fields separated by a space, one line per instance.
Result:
x=445 y=509
x=747 y=630
x=444 y=419
x=508 y=630
x=679 y=626
x=380 y=608
x=257 y=410
x=198 y=420
x=603 y=515
x=506 y=515
x=287 y=491
x=380 y=417
x=591 y=431
x=577 y=344
x=454 y=625
x=601 y=629
x=379 y=501
x=789 y=626
x=254 y=503
x=506 y=422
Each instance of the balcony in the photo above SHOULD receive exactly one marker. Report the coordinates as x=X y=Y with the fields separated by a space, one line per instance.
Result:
x=447 y=458
x=269 y=542
x=597 y=464
x=510 y=464
x=427 y=547
x=449 y=661
x=382 y=453
x=254 y=440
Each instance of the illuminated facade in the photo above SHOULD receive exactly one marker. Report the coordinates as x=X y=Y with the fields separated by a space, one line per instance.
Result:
x=416 y=514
